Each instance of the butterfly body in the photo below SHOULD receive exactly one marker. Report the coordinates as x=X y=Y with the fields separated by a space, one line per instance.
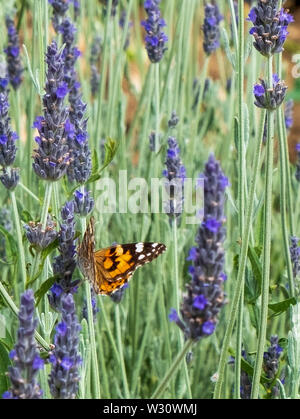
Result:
x=110 y=269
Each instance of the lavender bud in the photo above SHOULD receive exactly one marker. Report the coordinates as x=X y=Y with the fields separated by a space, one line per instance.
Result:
x=269 y=27
x=175 y=173
x=288 y=113
x=271 y=362
x=205 y=297
x=118 y=296
x=80 y=166
x=65 y=264
x=60 y=8
x=211 y=28
x=65 y=358
x=295 y=256
x=270 y=98
x=76 y=4
x=172 y=123
x=155 y=38
x=25 y=356
x=83 y=203
x=8 y=137
x=41 y=238
x=14 y=64
x=52 y=157
x=96 y=52
x=95 y=308
x=10 y=178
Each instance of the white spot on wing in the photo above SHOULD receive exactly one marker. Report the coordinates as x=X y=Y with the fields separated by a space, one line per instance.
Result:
x=139 y=247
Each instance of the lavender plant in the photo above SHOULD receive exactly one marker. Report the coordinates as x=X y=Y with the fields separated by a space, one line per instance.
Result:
x=156 y=38
x=25 y=355
x=65 y=358
x=211 y=30
x=12 y=50
x=52 y=157
x=205 y=296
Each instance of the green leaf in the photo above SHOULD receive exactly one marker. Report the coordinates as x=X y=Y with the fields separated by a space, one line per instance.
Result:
x=282 y=306
x=43 y=256
x=44 y=288
x=253 y=255
x=230 y=56
x=111 y=147
x=10 y=245
x=4 y=364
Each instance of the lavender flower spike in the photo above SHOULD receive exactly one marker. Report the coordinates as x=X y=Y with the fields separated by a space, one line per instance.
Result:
x=269 y=27
x=52 y=157
x=211 y=28
x=155 y=38
x=76 y=126
x=288 y=114
x=270 y=97
x=205 y=297
x=25 y=355
x=65 y=264
x=83 y=203
x=39 y=238
x=65 y=358
x=10 y=176
x=14 y=64
x=175 y=174
x=60 y=8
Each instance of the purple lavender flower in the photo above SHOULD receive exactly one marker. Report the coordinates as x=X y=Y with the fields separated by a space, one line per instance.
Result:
x=155 y=38
x=10 y=176
x=175 y=174
x=295 y=256
x=12 y=50
x=52 y=157
x=173 y=121
x=83 y=203
x=288 y=113
x=65 y=264
x=25 y=356
x=60 y=8
x=271 y=362
x=269 y=27
x=270 y=97
x=95 y=308
x=76 y=5
x=80 y=166
x=65 y=358
x=211 y=28
x=95 y=56
x=38 y=237
x=118 y=295
x=205 y=297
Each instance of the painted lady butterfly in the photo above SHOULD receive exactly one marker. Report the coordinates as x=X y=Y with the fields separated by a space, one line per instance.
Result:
x=110 y=269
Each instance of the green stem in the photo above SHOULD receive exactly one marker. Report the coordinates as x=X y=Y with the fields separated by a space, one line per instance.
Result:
x=120 y=347
x=171 y=371
x=242 y=262
x=283 y=204
x=94 y=359
x=266 y=248
x=19 y=237
x=241 y=185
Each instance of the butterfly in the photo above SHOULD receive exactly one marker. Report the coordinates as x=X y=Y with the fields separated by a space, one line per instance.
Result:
x=109 y=269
